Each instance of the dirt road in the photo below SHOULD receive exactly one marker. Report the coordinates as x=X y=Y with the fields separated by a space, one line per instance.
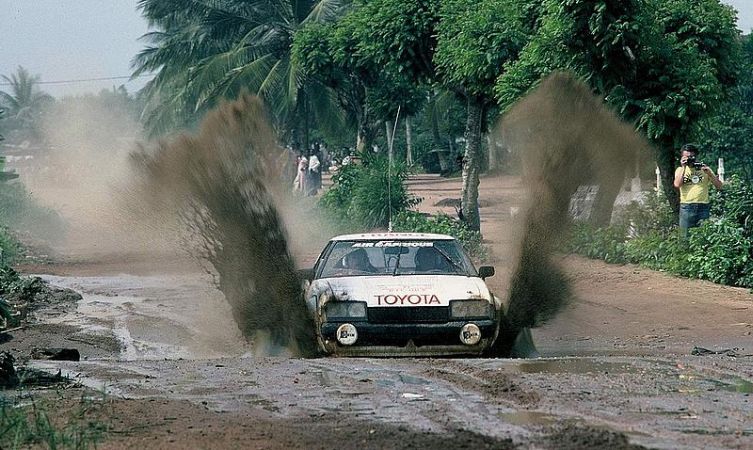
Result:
x=617 y=369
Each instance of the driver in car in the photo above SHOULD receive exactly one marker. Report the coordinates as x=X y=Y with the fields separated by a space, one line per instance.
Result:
x=358 y=260
x=427 y=259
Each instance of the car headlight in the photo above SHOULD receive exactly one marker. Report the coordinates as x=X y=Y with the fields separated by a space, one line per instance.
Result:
x=465 y=309
x=334 y=309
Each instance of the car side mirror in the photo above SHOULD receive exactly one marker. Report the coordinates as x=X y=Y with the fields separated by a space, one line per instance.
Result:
x=306 y=274
x=485 y=272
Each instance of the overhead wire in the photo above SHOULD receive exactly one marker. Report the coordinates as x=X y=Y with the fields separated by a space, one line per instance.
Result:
x=81 y=80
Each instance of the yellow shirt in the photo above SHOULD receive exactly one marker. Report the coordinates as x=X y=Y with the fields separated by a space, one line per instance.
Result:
x=695 y=185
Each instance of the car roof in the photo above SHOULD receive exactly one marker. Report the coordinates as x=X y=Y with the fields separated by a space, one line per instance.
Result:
x=392 y=237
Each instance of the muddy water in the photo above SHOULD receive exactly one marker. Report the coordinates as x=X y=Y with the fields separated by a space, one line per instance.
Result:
x=154 y=317
x=566 y=137
x=224 y=186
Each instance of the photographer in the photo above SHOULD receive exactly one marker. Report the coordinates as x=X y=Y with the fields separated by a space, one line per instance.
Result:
x=693 y=178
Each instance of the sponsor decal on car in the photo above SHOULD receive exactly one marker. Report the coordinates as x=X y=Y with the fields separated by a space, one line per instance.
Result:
x=380 y=244
x=407 y=299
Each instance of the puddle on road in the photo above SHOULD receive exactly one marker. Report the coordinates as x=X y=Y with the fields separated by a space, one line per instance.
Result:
x=576 y=366
x=528 y=418
x=691 y=381
x=732 y=384
x=189 y=321
x=742 y=386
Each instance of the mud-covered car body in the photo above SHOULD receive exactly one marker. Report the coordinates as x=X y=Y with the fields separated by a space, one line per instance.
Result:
x=401 y=294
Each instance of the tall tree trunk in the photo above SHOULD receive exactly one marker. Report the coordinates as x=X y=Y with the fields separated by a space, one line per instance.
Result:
x=609 y=188
x=408 y=142
x=665 y=159
x=472 y=164
x=365 y=131
x=435 y=136
x=492 y=150
x=301 y=125
x=306 y=124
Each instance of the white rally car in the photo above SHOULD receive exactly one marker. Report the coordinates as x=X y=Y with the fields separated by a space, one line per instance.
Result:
x=401 y=294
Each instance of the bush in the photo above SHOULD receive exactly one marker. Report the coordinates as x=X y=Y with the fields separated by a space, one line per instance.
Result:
x=9 y=247
x=720 y=250
x=415 y=222
x=364 y=196
x=735 y=203
x=598 y=243
x=651 y=213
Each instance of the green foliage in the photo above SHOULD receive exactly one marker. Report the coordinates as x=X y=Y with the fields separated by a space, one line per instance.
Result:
x=12 y=284
x=664 y=65
x=395 y=35
x=343 y=57
x=598 y=243
x=42 y=424
x=9 y=247
x=475 y=40
x=657 y=249
x=720 y=250
x=735 y=203
x=729 y=133
x=366 y=196
x=202 y=52
x=415 y=222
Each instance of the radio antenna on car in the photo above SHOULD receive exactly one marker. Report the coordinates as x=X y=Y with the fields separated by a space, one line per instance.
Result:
x=389 y=171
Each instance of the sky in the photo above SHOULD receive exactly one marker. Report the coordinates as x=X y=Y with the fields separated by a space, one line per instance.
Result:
x=63 y=40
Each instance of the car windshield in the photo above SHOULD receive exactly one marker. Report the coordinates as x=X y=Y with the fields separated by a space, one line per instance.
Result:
x=384 y=257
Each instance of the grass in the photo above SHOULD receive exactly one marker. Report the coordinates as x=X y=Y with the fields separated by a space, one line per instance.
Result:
x=52 y=422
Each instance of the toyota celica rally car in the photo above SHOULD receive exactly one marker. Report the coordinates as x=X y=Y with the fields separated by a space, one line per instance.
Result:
x=401 y=294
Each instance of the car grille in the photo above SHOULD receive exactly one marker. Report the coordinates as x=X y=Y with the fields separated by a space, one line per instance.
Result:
x=421 y=314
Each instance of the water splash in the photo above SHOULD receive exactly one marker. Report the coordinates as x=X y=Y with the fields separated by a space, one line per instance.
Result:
x=222 y=182
x=566 y=137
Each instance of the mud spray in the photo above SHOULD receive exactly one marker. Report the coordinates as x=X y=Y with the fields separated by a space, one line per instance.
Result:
x=566 y=137
x=223 y=184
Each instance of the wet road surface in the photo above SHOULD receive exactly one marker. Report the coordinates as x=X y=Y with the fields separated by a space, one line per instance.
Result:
x=177 y=341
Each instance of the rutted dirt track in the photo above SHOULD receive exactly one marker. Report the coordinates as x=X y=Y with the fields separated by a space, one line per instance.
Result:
x=617 y=369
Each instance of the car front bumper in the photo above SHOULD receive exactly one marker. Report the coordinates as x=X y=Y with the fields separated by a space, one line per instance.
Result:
x=424 y=339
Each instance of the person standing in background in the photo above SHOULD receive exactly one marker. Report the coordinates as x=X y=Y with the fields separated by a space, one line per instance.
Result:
x=314 y=175
x=693 y=179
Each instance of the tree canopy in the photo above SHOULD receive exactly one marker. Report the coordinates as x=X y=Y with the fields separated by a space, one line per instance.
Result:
x=665 y=65
x=203 y=51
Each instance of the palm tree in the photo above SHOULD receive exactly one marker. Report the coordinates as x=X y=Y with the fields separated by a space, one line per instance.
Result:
x=24 y=101
x=207 y=50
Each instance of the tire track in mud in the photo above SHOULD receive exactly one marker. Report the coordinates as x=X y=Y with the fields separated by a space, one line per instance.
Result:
x=493 y=384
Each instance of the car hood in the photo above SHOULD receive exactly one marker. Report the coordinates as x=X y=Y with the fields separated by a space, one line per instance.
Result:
x=397 y=291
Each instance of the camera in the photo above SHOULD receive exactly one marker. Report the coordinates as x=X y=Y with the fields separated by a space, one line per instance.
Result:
x=691 y=161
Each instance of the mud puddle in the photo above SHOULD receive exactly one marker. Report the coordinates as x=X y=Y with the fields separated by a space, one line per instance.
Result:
x=153 y=317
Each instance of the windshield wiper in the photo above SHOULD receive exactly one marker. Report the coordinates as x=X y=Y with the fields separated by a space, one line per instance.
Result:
x=458 y=268
x=397 y=264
